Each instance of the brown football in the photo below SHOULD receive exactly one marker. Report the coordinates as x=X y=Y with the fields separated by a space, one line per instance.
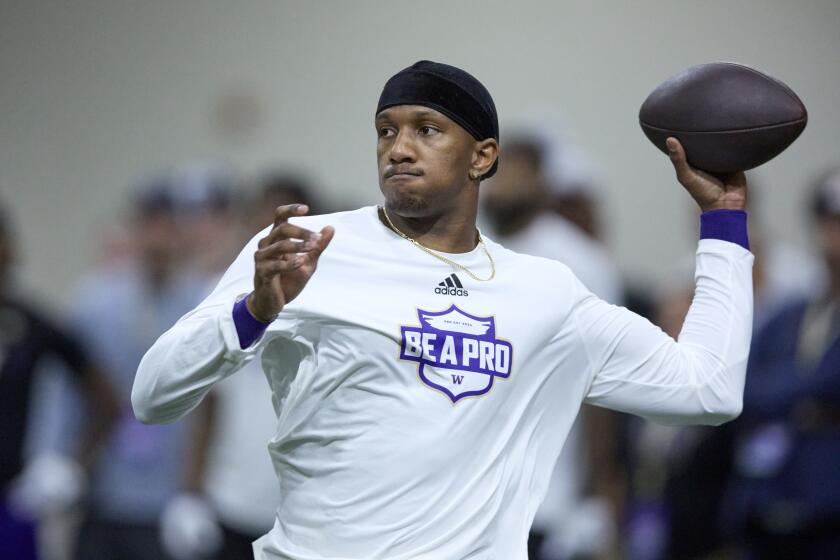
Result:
x=728 y=117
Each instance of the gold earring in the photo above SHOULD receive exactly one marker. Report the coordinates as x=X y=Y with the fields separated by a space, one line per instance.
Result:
x=473 y=175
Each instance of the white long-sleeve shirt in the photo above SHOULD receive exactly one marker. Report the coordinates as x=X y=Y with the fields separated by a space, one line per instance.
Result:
x=420 y=420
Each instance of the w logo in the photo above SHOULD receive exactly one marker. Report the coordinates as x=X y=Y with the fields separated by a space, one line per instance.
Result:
x=457 y=379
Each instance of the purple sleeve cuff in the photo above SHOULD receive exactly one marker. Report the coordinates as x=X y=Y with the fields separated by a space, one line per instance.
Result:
x=248 y=327
x=726 y=225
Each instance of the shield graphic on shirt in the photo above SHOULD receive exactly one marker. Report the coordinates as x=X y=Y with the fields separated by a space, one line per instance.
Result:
x=458 y=353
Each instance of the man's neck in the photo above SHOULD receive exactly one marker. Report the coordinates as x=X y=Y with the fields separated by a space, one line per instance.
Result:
x=448 y=233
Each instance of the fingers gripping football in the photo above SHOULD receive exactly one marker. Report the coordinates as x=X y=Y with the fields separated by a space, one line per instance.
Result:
x=284 y=262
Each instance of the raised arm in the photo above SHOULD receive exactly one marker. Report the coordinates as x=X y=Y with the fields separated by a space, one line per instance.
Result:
x=223 y=333
x=637 y=368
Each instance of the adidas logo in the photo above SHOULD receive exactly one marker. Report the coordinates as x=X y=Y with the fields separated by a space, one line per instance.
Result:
x=451 y=287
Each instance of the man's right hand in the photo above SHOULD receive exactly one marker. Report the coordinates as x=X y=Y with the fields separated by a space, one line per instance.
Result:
x=284 y=263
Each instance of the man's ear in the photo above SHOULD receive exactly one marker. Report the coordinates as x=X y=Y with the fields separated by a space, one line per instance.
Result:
x=484 y=156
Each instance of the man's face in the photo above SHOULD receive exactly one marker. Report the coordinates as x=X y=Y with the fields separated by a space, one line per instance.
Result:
x=424 y=160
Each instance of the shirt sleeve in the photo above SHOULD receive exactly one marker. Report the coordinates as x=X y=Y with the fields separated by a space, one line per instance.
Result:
x=698 y=379
x=201 y=349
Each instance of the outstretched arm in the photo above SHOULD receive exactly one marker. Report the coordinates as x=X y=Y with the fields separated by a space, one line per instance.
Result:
x=223 y=333
x=637 y=368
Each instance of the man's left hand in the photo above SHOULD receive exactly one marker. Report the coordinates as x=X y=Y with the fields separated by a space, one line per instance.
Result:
x=711 y=192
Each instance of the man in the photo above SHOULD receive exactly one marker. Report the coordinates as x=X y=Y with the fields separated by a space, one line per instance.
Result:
x=49 y=482
x=119 y=313
x=784 y=494
x=230 y=489
x=209 y=216
x=517 y=204
x=574 y=520
x=425 y=377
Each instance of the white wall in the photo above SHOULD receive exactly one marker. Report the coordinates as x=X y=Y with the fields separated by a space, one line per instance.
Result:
x=95 y=93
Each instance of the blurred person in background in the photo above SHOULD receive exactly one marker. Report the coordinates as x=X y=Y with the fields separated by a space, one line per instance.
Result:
x=576 y=519
x=695 y=464
x=210 y=220
x=678 y=476
x=784 y=495
x=782 y=273
x=279 y=188
x=577 y=204
x=517 y=206
x=571 y=191
x=230 y=493
x=47 y=484
x=118 y=312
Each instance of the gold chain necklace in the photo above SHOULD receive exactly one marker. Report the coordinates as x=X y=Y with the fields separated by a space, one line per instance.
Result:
x=444 y=259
